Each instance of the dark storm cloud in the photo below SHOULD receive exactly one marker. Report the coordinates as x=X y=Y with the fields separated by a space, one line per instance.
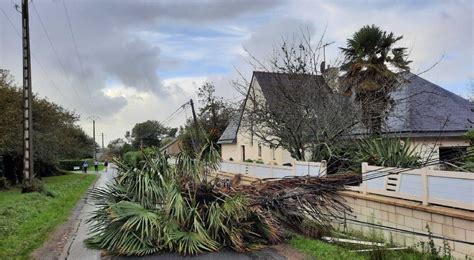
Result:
x=112 y=43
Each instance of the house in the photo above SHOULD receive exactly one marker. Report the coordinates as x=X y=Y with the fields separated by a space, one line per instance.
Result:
x=432 y=118
x=173 y=147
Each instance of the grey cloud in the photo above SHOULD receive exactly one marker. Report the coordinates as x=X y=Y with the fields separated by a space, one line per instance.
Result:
x=110 y=45
x=265 y=38
x=135 y=66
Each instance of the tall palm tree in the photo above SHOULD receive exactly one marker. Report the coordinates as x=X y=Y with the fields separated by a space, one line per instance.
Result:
x=371 y=67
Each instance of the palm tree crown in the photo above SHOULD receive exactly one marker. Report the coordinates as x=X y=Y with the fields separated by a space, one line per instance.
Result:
x=371 y=67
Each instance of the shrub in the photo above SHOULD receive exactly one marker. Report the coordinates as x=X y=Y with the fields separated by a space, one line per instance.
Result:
x=388 y=152
x=3 y=183
x=68 y=165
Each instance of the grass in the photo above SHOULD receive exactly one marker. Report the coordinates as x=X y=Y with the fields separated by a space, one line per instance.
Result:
x=322 y=250
x=91 y=167
x=26 y=219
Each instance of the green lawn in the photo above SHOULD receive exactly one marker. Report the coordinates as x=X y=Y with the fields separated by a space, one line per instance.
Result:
x=322 y=250
x=91 y=167
x=26 y=219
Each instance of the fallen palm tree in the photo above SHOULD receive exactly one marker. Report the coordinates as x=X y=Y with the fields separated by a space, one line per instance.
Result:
x=163 y=208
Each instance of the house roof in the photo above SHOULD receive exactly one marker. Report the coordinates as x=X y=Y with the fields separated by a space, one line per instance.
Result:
x=279 y=88
x=421 y=108
x=424 y=107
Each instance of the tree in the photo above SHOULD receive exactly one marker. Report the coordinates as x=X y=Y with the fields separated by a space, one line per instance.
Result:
x=214 y=112
x=300 y=112
x=56 y=135
x=172 y=132
x=148 y=134
x=212 y=119
x=118 y=147
x=369 y=55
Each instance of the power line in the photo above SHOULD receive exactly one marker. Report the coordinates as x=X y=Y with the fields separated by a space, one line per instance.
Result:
x=33 y=55
x=52 y=45
x=77 y=51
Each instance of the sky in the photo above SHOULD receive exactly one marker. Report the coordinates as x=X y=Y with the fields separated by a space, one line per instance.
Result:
x=125 y=62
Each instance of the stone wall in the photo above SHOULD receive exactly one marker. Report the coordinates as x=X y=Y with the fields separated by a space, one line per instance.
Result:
x=409 y=215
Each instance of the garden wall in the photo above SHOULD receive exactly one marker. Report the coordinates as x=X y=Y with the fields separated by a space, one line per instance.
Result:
x=408 y=215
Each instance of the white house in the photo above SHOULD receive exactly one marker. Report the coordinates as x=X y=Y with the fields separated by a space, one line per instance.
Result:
x=433 y=119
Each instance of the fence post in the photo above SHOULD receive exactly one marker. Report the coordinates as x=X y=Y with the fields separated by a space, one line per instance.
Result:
x=323 y=170
x=424 y=185
x=293 y=170
x=271 y=169
x=364 y=183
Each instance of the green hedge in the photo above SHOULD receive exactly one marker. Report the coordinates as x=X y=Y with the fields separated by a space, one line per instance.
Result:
x=68 y=165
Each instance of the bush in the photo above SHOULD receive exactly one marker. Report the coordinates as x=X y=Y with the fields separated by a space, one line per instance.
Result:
x=135 y=158
x=388 y=152
x=3 y=183
x=68 y=165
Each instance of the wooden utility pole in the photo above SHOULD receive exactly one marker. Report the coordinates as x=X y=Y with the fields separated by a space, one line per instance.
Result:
x=194 y=112
x=28 y=163
x=93 y=136
x=195 y=142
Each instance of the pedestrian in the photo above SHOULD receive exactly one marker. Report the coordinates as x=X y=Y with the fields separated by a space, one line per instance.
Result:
x=106 y=164
x=96 y=165
x=85 y=165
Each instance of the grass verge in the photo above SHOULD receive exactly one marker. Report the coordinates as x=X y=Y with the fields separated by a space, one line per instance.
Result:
x=26 y=219
x=321 y=250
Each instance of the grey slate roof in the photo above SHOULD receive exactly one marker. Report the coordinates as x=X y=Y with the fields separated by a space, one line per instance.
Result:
x=276 y=85
x=424 y=107
x=421 y=108
x=229 y=135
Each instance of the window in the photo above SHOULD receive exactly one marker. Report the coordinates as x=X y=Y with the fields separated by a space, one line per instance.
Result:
x=450 y=156
x=259 y=150
x=273 y=153
x=242 y=147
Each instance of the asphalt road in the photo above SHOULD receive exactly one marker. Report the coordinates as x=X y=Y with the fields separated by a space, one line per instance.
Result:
x=264 y=254
x=75 y=248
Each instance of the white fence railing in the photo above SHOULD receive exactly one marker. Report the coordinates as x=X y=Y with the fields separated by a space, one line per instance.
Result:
x=262 y=171
x=448 y=188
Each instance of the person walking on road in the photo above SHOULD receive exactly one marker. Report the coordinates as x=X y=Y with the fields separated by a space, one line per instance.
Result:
x=96 y=165
x=85 y=165
x=106 y=164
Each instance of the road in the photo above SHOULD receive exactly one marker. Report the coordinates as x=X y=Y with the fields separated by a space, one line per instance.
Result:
x=75 y=248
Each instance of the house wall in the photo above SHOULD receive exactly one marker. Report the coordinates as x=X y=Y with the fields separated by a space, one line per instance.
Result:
x=268 y=156
x=408 y=215
x=428 y=147
x=251 y=143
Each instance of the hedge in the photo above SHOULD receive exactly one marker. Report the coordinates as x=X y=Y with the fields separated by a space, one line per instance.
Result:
x=68 y=165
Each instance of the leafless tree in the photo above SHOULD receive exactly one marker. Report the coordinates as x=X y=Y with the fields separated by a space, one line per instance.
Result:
x=303 y=111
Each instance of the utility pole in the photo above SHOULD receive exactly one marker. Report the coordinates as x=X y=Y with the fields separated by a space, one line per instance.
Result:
x=93 y=118
x=194 y=112
x=195 y=125
x=102 y=142
x=28 y=162
x=93 y=136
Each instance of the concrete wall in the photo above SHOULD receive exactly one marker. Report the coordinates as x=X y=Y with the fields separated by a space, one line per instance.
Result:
x=408 y=215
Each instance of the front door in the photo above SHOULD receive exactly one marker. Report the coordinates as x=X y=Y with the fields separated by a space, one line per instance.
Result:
x=243 y=152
